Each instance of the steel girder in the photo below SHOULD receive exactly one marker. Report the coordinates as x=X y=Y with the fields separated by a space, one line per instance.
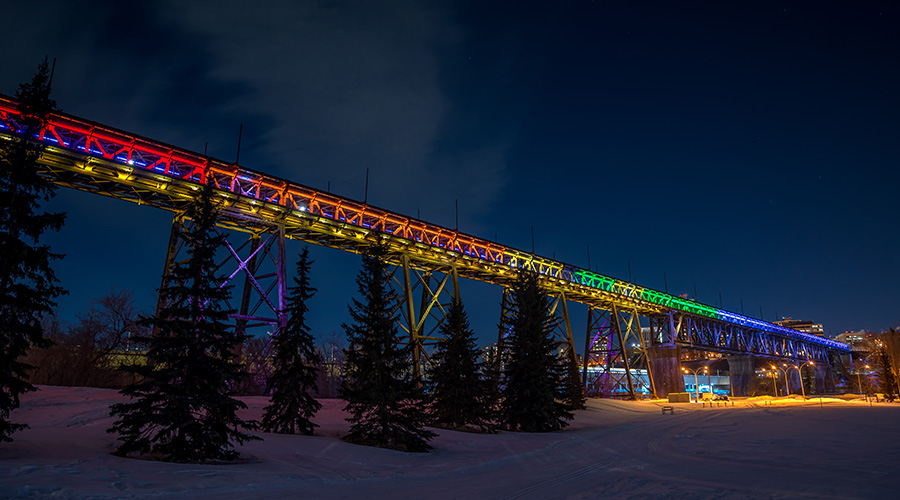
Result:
x=562 y=331
x=91 y=157
x=710 y=335
x=616 y=349
x=258 y=257
x=436 y=288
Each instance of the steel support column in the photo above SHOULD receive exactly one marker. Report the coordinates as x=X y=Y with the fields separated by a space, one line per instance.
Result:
x=597 y=353
x=241 y=324
x=172 y=249
x=617 y=324
x=264 y=269
x=435 y=299
x=282 y=277
x=503 y=327
x=619 y=352
x=266 y=252
x=563 y=333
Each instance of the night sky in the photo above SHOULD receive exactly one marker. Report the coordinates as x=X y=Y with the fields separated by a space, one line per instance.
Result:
x=749 y=151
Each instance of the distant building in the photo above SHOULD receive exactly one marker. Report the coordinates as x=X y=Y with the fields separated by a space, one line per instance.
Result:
x=858 y=341
x=489 y=354
x=802 y=326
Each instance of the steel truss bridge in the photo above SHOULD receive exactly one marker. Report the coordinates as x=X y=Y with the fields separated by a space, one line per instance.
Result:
x=261 y=211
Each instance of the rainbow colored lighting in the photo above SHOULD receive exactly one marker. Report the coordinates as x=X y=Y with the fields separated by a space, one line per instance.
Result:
x=135 y=152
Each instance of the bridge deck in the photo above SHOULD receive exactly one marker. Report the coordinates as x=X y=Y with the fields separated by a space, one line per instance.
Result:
x=92 y=157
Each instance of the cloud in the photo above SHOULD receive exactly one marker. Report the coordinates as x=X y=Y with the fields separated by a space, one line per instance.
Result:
x=324 y=91
x=347 y=86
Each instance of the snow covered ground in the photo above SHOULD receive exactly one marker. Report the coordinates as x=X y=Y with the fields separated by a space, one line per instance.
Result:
x=613 y=449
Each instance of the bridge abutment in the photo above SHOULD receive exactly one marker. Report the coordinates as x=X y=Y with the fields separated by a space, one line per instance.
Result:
x=666 y=367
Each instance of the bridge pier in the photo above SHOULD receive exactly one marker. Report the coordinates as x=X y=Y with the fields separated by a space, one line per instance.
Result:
x=793 y=381
x=824 y=378
x=742 y=368
x=257 y=255
x=666 y=367
x=438 y=287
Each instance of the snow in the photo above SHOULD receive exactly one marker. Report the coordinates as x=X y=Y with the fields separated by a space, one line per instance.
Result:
x=762 y=448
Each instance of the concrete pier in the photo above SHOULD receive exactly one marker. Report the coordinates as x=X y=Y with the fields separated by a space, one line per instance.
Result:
x=666 y=369
x=743 y=373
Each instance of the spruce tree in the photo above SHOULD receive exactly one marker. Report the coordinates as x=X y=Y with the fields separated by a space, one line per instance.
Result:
x=387 y=407
x=886 y=381
x=461 y=389
x=28 y=285
x=572 y=388
x=532 y=378
x=181 y=407
x=296 y=363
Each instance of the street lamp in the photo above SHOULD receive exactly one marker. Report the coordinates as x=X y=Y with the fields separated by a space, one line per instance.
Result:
x=696 y=384
x=800 y=374
x=858 y=382
x=774 y=384
x=787 y=387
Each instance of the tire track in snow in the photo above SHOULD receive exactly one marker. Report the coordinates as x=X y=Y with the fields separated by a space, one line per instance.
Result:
x=559 y=480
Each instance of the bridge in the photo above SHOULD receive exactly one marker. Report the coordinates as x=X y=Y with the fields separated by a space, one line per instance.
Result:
x=633 y=337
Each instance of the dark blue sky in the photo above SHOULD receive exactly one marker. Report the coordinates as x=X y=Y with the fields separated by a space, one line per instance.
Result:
x=751 y=151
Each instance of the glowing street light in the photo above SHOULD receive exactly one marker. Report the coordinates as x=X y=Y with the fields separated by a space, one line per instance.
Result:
x=800 y=374
x=774 y=383
x=858 y=382
x=787 y=387
x=696 y=384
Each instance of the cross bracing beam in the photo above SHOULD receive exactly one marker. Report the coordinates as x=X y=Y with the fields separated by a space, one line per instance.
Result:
x=697 y=332
x=562 y=327
x=436 y=290
x=91 y=157
x=616 y=360
x=258 y=258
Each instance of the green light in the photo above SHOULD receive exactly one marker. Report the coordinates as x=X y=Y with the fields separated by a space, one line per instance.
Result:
x=608 y=284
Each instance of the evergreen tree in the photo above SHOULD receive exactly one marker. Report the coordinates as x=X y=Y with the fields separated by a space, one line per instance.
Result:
x=532 y=378
x=572 y=393
x=891 y=343
x=886 y=381
x=28 y=285
x=461 y=388
x=572 y=389
x=386 y=406
x=181 y=407
x=296 y=364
